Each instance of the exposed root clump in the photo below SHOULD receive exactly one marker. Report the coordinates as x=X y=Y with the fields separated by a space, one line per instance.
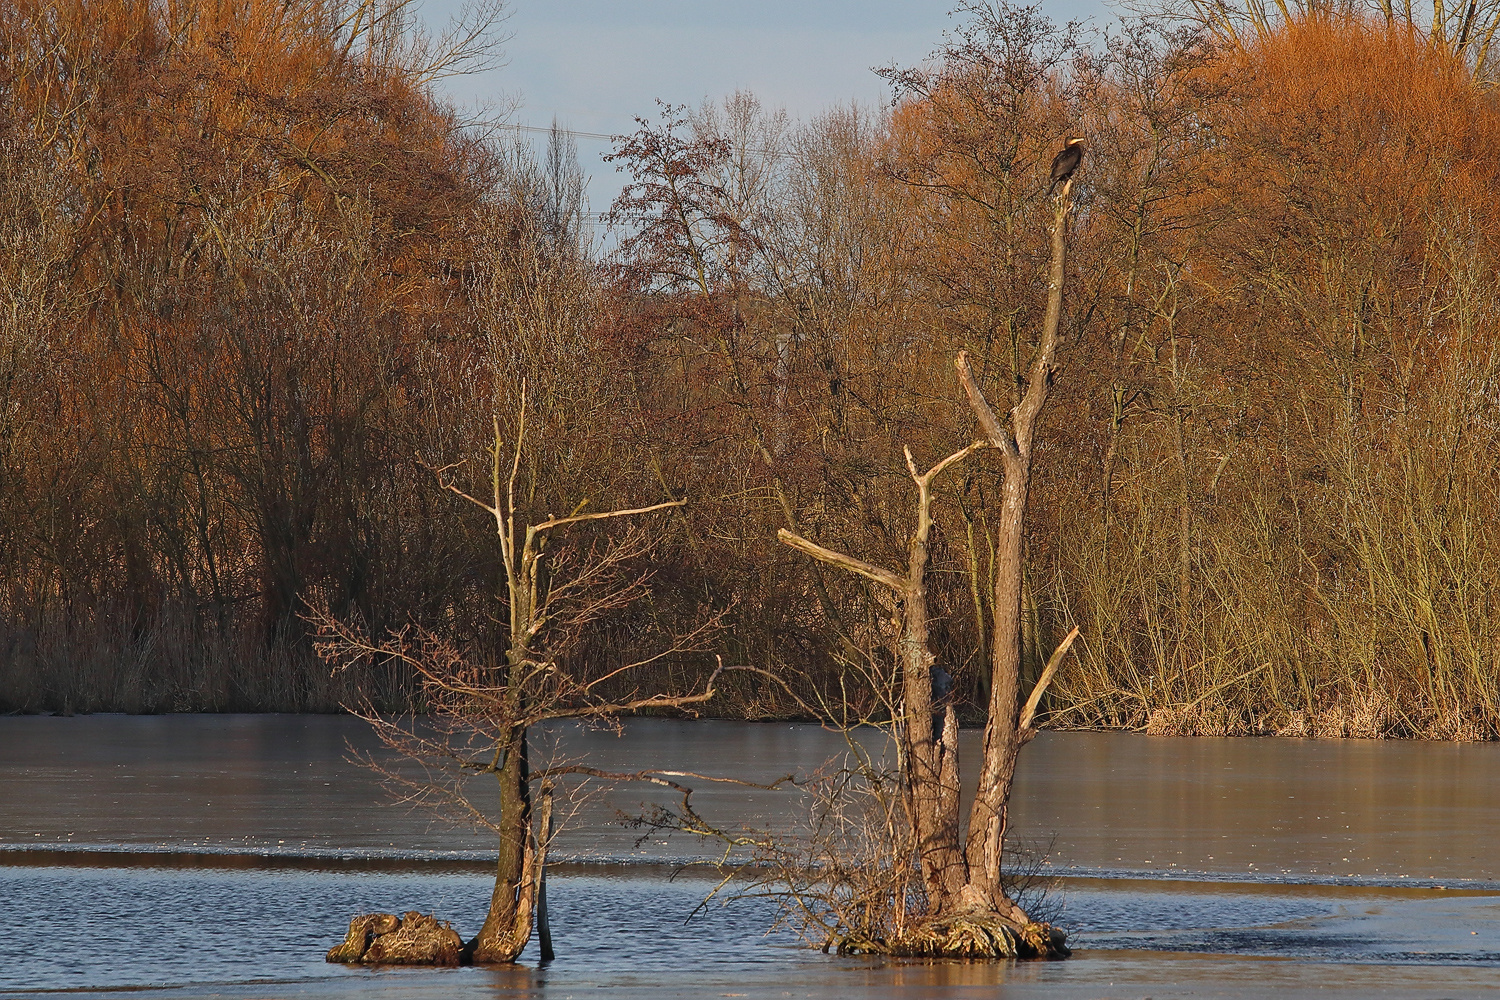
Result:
x=386 y=939
x=967 y=935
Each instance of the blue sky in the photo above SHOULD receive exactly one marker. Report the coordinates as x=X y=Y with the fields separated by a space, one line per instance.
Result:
x=595 y=63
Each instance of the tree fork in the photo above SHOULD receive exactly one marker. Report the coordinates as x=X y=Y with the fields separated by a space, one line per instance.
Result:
x=932 y=762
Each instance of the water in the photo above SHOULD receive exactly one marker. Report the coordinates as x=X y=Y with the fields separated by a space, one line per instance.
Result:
x=221 y=855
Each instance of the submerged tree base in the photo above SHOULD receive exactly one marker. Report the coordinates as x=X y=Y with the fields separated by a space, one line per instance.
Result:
x=966 y=935
x=413 y=939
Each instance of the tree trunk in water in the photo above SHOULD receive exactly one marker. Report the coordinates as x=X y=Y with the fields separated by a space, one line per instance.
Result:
x=543 y=921
x=930 y=760
x=968 y=912
x=1004 y=734
x=507 y=926
x=987 y=817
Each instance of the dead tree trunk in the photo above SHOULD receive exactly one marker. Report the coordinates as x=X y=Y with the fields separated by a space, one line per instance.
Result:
x=931 y=758
x=1006 y=730
x=507 y=926
x=513 y=902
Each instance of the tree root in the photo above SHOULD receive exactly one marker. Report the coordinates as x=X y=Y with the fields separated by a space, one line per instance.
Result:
x=413 y=939
x=965 y=935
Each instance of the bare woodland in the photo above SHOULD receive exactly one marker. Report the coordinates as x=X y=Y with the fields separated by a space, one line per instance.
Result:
x=257 y=282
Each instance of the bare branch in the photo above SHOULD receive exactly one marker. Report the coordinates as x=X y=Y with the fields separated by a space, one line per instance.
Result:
x=685 y=643
x=924 y=480
x=515 y=468
x=446 y=482
x=988 y=422
x=659 y=700
x=654 y=777
x=1053 y=662
x=559 y=521
x=823 y=712
x=868 y=570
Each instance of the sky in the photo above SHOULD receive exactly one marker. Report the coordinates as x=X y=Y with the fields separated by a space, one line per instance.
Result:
x=596 y=64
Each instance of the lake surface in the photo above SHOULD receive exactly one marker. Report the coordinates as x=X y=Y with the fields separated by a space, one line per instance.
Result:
x=221 y=855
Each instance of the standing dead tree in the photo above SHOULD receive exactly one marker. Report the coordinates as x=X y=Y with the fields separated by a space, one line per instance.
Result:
x=558 y=581
x=966 y=910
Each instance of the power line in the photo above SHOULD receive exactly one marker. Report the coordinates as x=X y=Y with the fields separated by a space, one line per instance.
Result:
x=561 y=131
x=597 y=220
x=540 y=130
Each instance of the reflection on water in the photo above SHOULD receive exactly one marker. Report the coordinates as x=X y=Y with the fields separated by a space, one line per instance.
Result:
x=276 y=840
x=1326 y=923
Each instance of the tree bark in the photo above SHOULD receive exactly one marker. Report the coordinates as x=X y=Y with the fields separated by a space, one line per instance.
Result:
x=987 y=818
x=933 y=782
x=510 y=904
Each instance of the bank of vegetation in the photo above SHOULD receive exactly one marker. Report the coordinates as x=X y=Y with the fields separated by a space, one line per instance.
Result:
x=257 y=283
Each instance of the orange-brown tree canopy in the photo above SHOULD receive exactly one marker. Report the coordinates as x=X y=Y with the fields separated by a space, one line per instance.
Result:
x=1363 y=181
x=249 y=268
x=1364 y=119
x=226 y=225
x=174 y=126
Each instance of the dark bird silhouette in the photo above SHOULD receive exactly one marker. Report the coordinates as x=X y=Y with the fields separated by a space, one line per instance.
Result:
x=1065 y=162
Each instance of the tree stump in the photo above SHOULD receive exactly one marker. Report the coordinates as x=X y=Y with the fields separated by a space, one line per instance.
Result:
x=385 y=939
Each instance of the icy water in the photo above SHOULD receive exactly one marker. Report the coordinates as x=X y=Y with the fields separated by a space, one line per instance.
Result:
x=195 y=856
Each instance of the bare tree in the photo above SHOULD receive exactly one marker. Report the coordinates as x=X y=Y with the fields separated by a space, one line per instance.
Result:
x=558 y=582
x=967 y=909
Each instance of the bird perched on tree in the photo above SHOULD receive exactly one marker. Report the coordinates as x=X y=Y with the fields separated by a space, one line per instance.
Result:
x=1065 y=162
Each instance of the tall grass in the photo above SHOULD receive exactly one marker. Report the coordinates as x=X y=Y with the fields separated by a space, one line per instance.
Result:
x=1369 y=606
